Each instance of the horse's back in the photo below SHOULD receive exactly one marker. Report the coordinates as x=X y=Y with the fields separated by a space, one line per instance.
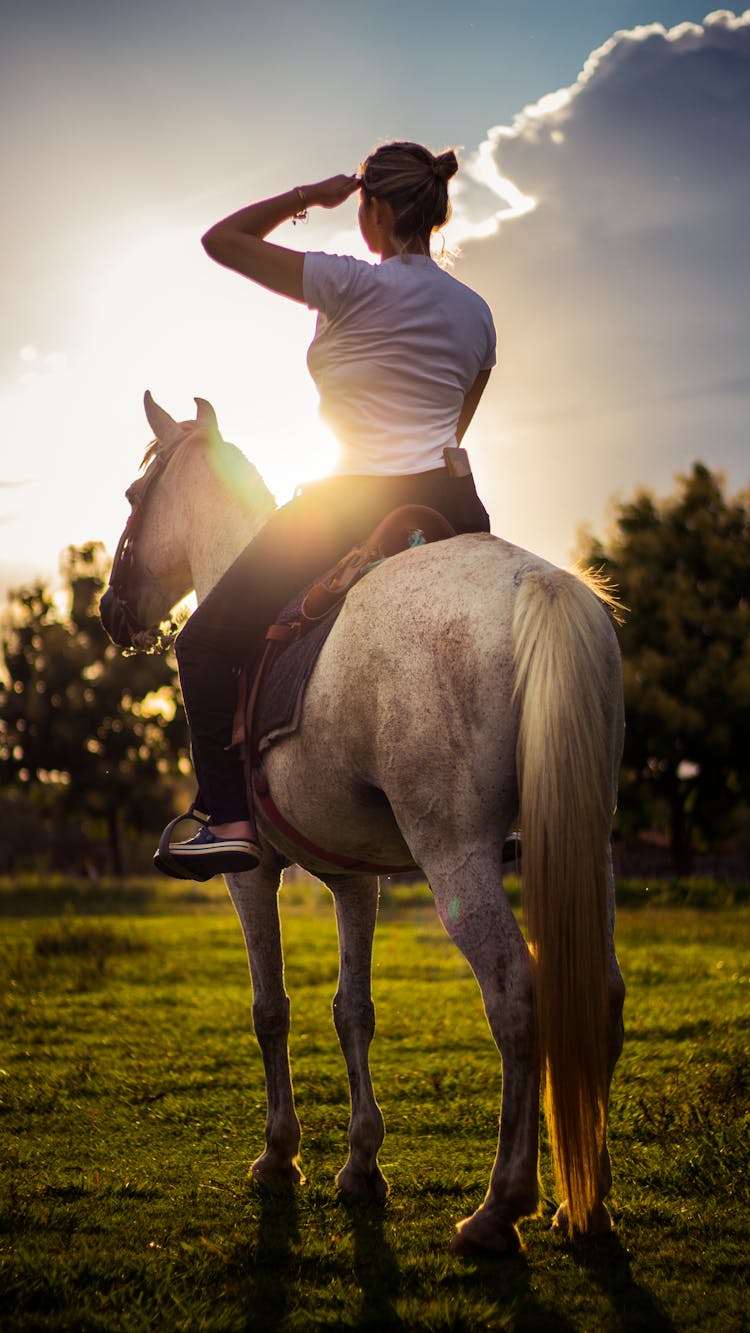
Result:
x=429 y=630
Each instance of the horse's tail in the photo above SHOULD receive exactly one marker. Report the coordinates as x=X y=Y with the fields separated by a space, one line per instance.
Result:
x=565 y=669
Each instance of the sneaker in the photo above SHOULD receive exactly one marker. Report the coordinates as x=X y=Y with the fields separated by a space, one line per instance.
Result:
x=205 y=855
x=222 y=855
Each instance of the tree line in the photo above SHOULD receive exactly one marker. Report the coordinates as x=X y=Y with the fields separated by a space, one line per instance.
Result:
x=681 y=567
x=94 y=748
x=93 y=744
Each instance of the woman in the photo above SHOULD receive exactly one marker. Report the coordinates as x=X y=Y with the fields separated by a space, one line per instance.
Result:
x=401 y=356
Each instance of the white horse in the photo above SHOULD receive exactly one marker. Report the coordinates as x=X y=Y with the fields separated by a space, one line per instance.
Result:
x=464 y=682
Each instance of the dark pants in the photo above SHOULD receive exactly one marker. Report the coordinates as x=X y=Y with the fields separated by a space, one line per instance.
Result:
x=299 y=542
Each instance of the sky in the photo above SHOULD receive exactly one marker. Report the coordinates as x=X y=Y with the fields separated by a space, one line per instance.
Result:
x=601 y=210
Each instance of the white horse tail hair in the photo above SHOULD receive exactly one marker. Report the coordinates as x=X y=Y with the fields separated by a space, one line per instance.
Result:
x=563 y=678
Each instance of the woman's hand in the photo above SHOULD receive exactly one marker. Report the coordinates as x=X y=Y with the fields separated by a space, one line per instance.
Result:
x=330 y=193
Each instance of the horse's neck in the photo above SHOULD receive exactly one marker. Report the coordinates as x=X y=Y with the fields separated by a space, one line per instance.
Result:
x=220 y=522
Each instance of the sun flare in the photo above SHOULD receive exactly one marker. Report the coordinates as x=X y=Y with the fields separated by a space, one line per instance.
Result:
x=296 y=456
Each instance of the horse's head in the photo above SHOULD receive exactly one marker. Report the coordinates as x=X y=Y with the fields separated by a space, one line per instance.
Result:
x=196 y=495
x=151 y=571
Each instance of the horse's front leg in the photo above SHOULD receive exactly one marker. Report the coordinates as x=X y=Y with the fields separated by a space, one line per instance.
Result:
x=356 y=900
x=255 y=897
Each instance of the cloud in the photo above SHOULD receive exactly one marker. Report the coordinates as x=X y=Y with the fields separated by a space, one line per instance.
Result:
x=33 y=363
x=620 y=284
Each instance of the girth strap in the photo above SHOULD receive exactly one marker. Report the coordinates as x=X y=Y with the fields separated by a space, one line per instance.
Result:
x=268 y=806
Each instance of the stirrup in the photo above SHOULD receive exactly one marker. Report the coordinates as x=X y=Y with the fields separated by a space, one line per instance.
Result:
x=512 y=850
x=163 y=859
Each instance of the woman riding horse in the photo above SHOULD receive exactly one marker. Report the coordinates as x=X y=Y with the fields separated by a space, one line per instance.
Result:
x=401 y=356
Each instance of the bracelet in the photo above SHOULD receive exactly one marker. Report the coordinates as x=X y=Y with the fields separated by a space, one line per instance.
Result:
x=301 y=214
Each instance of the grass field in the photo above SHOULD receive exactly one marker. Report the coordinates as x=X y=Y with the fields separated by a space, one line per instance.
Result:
x=132 y=1104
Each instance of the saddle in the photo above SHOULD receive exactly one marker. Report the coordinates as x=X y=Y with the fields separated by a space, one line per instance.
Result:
x=270 y=706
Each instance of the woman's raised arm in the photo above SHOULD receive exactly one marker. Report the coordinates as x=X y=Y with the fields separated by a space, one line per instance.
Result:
x=238 y=241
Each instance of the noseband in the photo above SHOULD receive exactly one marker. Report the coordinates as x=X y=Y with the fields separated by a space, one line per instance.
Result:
x=143 y=639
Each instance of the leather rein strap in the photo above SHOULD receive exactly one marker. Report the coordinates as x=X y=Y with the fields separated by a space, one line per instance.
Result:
x=122 y=563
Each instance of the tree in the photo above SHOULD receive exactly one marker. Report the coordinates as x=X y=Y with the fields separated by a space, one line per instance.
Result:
x=681 y=566
x=89 y=732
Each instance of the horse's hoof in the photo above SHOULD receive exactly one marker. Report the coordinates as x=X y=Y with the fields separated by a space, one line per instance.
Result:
x=355 y=1184
x=599 y=1224
x=479 y=1234
x=274 y=1175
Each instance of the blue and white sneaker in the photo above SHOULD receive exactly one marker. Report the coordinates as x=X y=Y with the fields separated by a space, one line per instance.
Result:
x=223 y=856
x=205 y=855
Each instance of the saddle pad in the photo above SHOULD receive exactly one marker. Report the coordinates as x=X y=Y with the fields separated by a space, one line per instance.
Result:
x=283 y=694
x=278 y=705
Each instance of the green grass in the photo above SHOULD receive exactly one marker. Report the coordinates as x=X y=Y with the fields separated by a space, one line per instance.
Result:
x=132 y=1104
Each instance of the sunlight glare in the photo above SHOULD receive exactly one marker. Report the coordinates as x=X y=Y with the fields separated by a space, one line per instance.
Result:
x=295 y=457
x=74 y=424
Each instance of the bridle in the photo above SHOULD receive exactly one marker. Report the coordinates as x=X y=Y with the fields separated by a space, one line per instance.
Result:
x=144 y=640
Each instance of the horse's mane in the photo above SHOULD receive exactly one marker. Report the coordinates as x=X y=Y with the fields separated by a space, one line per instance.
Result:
x=237 y=471
x=150 y=454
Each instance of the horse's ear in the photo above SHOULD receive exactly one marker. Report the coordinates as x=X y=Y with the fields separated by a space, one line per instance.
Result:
x=205 y=415
x=164 y=426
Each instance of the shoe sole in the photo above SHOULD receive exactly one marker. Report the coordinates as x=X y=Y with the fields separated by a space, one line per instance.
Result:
x=219 y=845
x=204 y=865
x=171 y=868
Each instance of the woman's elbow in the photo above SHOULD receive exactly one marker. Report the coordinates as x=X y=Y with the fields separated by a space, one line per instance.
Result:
x=211 y=242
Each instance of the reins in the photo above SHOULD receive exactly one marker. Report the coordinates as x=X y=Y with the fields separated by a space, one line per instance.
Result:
x=144 y=640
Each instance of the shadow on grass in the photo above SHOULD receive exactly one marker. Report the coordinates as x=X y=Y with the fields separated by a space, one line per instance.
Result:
x=607 y=1265
x=488 y=1288
x=256 y=1279
x=506 y=1284
x=376 y=1271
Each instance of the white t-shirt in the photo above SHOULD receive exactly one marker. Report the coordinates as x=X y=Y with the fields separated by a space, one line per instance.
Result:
x=397 y=347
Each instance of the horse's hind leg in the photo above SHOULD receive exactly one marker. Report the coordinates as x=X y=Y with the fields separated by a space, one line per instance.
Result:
x=356 y=901
x=255 y=897
x=478 y=917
